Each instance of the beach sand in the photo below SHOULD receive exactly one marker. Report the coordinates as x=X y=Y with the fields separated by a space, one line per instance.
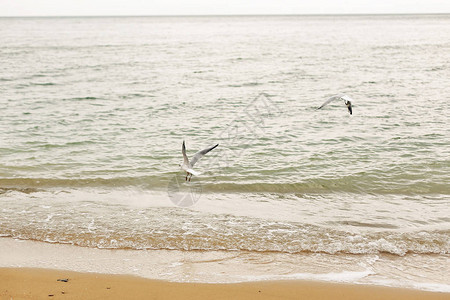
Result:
x=29 y=283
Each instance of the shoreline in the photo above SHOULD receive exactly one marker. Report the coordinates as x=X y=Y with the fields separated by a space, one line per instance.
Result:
x=34 y=283
x=231 y=267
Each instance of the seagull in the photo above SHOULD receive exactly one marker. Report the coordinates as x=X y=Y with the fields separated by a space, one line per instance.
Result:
x=188 y=165
x=347 y=101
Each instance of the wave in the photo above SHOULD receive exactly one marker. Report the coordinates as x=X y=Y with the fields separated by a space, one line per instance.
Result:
x=325 y=186
x=82 y=98
x=224 y=184
x=231 y=234
x=128 y=220
x=43 y=83
x=24 y=85
x=245 y=84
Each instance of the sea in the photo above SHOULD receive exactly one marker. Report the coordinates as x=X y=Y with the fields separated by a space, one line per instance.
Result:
x=94 y=111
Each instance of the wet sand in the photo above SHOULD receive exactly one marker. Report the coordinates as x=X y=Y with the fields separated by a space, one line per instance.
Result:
x=28 y=283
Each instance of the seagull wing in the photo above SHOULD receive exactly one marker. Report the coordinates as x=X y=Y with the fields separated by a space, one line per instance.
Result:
x=193 y=172
x=200 y=154
x=330 y=99
x=345 y=97
x=185 y=158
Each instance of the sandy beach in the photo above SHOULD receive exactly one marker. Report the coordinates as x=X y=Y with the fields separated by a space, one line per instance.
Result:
x=26 y=283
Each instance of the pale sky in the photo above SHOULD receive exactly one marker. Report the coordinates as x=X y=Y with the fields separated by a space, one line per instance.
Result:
x=216 y=7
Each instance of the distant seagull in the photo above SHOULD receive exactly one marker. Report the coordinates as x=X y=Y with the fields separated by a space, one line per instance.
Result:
x=188 y=165
x=347 y=101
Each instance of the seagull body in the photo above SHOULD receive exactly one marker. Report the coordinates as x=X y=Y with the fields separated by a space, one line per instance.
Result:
x=188 y=165
x=347 y=101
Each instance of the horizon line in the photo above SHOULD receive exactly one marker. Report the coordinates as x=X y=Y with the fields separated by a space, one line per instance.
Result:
x=226 y=15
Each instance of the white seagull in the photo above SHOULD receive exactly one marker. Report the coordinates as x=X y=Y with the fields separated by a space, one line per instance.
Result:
x=188 y=165
x=347 y=101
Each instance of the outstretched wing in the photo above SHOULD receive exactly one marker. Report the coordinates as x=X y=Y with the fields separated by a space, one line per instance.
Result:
x=331 y=99
x=200 y=154
x=185 y=158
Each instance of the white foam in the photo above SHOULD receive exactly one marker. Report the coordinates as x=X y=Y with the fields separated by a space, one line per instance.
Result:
x=345 y=276
x=354 y=277
x=433 y=287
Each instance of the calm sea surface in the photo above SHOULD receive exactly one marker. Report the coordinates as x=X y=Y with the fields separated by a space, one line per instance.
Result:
x=94 y=111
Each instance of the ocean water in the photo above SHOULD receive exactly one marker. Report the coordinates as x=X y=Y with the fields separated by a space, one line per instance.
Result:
x=94 y=112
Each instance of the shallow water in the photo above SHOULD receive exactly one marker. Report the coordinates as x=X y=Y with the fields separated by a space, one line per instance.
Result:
x=94 y=111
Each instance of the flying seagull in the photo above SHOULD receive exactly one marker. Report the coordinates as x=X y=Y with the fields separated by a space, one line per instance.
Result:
x=188 y=165
x=347 y=101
